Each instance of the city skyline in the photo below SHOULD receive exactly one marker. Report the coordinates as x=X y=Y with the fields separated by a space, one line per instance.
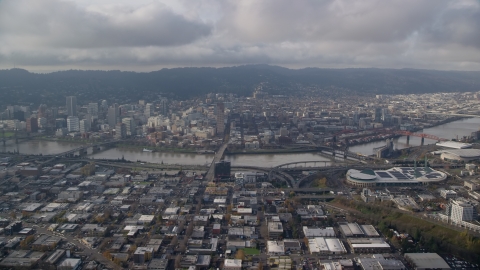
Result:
x=149 y=35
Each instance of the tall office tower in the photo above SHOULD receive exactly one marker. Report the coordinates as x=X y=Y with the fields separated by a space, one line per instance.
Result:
x=149 y=108
x=42 y=111
x=112 y=115
x=164 y=106
x=85 y=125
x=220 y=118
x=130 y=126
x=73 y=124
x=32 y=124
x=378 y=114
x=71 y=106
x=92 y=109
x=120 y=131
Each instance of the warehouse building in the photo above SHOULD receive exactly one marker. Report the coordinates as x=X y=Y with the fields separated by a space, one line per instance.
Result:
x=368 y=245
x=424 y=261
x=321 y=245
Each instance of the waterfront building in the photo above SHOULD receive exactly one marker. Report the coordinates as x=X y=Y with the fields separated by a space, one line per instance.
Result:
x=73 y=124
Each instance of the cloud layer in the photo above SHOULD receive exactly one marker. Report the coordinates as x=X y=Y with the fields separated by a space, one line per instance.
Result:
x=147 y=35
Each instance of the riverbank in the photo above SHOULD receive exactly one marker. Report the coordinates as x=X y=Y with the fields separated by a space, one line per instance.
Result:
x=271 y=151
x=157 y=149
x=65 y=140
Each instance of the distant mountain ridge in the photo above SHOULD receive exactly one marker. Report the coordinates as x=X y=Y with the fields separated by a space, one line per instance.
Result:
x=18 y=85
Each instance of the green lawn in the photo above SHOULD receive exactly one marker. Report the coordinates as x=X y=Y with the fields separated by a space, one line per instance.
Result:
x=7 y=134
x=251 y=251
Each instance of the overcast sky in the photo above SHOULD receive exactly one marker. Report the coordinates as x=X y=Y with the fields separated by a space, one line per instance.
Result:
x=145 y=35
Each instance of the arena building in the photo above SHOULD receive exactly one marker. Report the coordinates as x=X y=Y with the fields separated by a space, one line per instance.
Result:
x=461 y=155
x=396 y=176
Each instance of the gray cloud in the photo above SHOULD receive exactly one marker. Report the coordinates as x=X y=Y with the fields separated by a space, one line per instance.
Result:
x=53 y=34
x=52 y=23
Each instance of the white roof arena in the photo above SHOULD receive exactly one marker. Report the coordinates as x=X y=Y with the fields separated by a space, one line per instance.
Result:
x=396 y=176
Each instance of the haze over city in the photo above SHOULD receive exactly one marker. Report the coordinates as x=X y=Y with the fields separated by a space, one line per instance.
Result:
x=239 y=134
x=146 y=35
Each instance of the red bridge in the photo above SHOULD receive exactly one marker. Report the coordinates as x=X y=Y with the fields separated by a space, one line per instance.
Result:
x=421 y=135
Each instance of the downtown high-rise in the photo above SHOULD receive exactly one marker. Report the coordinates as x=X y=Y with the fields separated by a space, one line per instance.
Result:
x=71 y=106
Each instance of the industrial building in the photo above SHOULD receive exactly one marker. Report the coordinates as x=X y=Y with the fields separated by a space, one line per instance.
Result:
x=368 y=245
x=350 y=229
x=424 y=261
x=321 y=245
x=378 y=261
x=318 y=232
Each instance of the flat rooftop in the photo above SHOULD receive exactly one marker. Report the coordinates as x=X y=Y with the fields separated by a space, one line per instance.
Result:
x=454 y=145
x=427 y=260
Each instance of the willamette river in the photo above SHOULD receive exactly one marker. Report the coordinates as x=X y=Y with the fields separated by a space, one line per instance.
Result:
x=450 y=130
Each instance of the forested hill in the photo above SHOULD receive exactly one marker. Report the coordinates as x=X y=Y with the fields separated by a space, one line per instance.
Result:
x=18 y=86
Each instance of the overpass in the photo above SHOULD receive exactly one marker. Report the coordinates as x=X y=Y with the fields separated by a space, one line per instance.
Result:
x=210 y=176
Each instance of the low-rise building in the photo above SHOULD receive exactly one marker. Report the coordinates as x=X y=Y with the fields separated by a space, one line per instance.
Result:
x=448 y=194
x=318 y=232
x=275 y=230
x=46 y=242
x=232 y=264
x=321 y=245
x=424 y=261
x=368 y=245
x=275 y=248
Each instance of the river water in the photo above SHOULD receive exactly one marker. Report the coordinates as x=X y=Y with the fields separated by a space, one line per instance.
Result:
x=450 y=130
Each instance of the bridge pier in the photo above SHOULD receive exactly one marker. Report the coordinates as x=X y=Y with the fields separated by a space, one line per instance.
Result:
x=408 y=139
x=423 y=141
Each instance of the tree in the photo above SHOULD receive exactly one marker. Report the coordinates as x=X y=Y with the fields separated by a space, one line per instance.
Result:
x=107 y=255
x=240 y=255
x=117 y=261
x=132 y=248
